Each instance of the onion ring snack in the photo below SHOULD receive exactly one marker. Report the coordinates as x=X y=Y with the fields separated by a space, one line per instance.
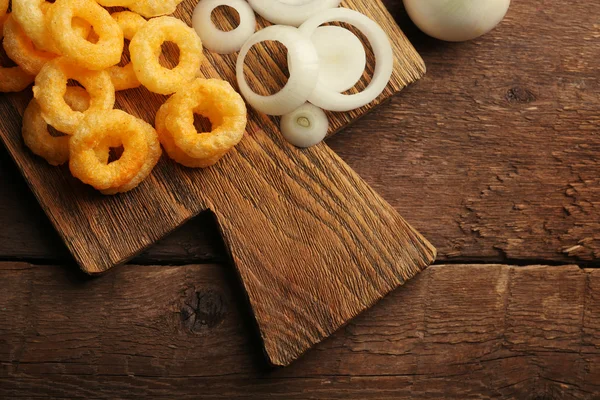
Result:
x=80 y=26
x=30 y=15
x=146 y=45
x=115 y=3
x=154 y=154
x=328 y=99
x=154 y=8
x=54 y=149
x=3 y=8
x=302 y=81
x=174 y=152
x=112 y=128
x=216 y=100
x=290 y=12
x=51 y=85
x=21 y=49
x=124 y=77
x=13 y=79
x=219 y=41
x=93 y=56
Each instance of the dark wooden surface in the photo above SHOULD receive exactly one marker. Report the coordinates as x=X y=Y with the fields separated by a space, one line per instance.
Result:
x=493 y=156
x=454 y=332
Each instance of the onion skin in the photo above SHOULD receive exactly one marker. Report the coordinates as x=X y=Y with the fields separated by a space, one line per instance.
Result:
x=456 y=20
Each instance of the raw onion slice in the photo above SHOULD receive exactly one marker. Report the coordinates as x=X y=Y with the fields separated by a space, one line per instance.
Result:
x=306 y=126
x=342 y=57
x=217 y=40
x=384 y=57
x=291 y=12
x=302 y=80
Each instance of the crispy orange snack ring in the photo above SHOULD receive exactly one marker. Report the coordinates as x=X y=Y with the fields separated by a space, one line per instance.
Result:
x=115 y=3
x=154 y=153
x=124 y=77
x=94 y=56
x=174 y=152
x=51 y=86
x=146 y=45
x=54 y=149
x=30 y=14
x=13 y=79
x=154 y=8
x=221 y=104
x=115 y=128
x=3 y=7
x=21 y=49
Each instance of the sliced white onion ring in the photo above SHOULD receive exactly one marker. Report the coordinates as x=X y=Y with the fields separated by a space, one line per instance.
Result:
x=302 y=81
x=217 y=40
x=384 y=58
x=305 y=127
x=342 y=57
x=291 y=12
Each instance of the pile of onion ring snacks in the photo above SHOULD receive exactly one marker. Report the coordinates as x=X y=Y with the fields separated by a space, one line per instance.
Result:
x=324 y=61
x=79 y=40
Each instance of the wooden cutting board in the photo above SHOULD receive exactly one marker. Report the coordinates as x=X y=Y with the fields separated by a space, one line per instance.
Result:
x=313 y=244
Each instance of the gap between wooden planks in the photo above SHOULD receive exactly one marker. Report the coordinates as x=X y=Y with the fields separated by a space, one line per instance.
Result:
x=480 y=331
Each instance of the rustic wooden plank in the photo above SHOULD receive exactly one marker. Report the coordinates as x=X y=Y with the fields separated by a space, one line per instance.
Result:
x=301 y=388
x=455 y=332
x=27 y=233
x=500 y=139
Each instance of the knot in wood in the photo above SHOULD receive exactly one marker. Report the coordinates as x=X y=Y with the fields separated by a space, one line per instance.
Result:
x=520 y=94
x=202 y=310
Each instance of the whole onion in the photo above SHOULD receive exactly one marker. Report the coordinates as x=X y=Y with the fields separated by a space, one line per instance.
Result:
x=456 y=20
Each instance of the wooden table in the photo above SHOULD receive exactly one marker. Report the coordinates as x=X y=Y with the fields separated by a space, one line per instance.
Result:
x=494 y=156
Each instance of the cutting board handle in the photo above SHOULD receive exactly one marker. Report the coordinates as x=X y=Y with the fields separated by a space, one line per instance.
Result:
x=314 y=245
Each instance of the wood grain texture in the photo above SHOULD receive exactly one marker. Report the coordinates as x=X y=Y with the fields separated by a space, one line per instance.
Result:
x=500 y=139
x=313 y=244
x=454 y=332
x=93 y=227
